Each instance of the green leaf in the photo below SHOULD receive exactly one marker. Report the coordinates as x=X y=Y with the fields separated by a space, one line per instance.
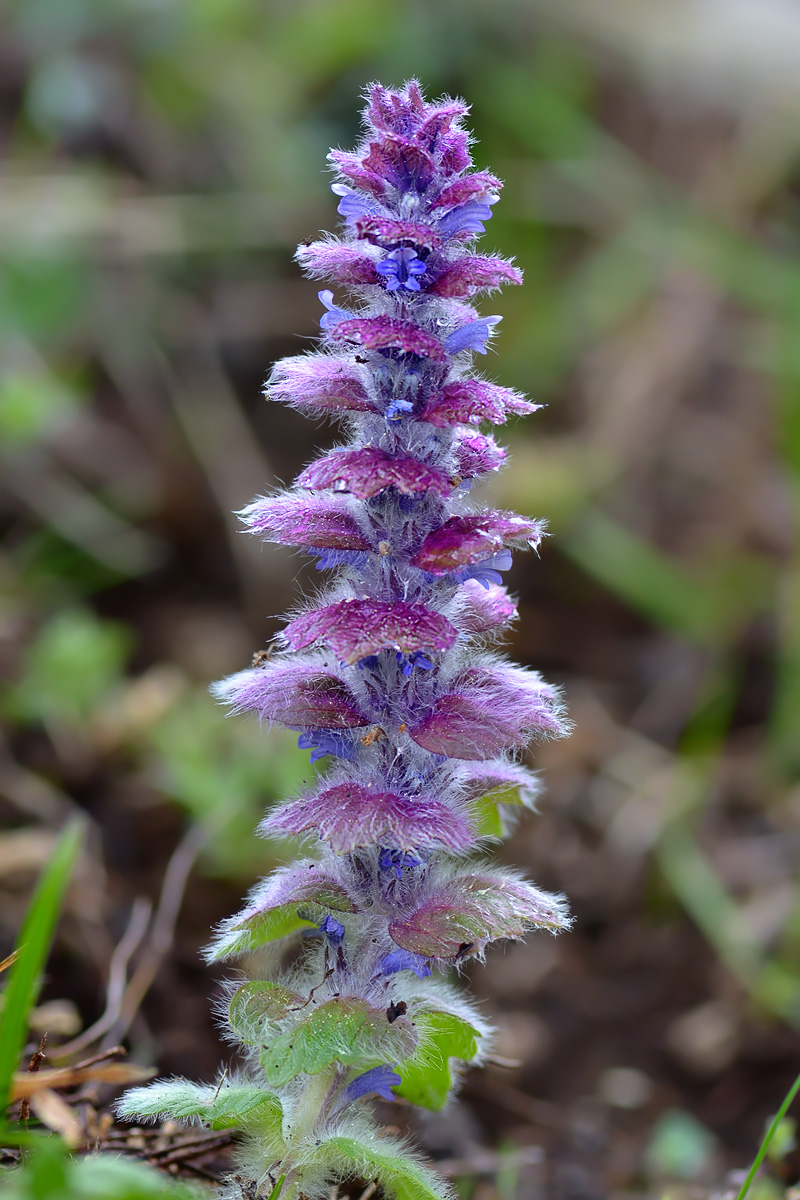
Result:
x=427 y=1077
x=108 y=1177
x=222 y=1106
x=49 y=1172
x=291 y=899
x=487 y=813
x=400 y=1176
x=276 y=1191
x=33 y=945
x=254 y=1006
x=768 y=1136
x=71 y=667
x=257 y=931
x=32 y=404
x=348 y=1030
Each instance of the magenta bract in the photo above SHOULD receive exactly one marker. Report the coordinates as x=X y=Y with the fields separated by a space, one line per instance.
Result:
x=302 y=696
x=349 y=816
x=355 y=629
x=461 y=541
x=298 y=520
x=368 y=471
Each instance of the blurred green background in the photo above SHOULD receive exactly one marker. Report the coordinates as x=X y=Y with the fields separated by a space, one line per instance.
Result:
x=162 y=158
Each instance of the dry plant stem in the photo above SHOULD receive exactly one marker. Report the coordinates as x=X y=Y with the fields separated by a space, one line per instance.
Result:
x=163 y=930
x=36 y=1061
x=117 y=981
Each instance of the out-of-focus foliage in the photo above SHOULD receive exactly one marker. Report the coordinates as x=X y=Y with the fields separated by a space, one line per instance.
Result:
x=50 y=1172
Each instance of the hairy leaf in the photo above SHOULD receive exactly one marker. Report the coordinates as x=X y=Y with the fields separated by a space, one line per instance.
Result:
x=427 y=1077
x=289 y=900
x=400 y=1176
x=256 y=1005
x=348 y=1030
x=222 y=1106
x=471 y=910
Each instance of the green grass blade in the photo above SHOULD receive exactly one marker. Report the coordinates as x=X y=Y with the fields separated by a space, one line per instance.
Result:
x=276 y=1191
x=33 y=944
x=764 y=1147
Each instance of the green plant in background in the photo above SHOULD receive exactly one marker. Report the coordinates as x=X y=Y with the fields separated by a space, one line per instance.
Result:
x=49 y=1171
x=33 y=945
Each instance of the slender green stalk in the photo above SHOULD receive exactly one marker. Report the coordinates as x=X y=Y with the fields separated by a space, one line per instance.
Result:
x=764 y=1147
x=33 y=945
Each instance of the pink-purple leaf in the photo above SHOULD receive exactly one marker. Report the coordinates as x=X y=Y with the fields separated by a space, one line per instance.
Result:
x=300 y=695
x=318 y=381
x=459 y=918
x=474 y=273
x=349 y=816
x=481 y=609
x=461 y=541
x=470 y=401
x=476 y=454
x=389 y=232
x=354 y=629
x=303 y=520
x=472 y=187
x=337 y=261
x=401 y=161
x=486 y=711
x=368 y=471
x=384 y=333
x=352 y=167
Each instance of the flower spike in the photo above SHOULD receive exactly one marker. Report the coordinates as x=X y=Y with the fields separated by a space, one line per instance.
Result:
x=387 y=679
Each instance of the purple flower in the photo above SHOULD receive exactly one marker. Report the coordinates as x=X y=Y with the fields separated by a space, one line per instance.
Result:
x=472 y=336
x=379 y=1080
x=334 y=316
x=332 y=929
x=487 y=572
x=467 y=218
x=404 y=960
x=398 y=861
x=322 y=742
x=400 y=269
x=352 y=206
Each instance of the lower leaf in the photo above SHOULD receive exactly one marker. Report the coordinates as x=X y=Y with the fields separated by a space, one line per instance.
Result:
x=427 y=1077
x=400 y=1177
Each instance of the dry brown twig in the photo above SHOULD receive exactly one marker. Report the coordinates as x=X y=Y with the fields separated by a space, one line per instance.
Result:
x=25 y=1084
x=117 y=980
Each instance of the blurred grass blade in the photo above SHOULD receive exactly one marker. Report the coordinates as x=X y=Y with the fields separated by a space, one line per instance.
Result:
x=33 y=946
x=647 y=579
x=276 y=1191
x=769 y=1135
